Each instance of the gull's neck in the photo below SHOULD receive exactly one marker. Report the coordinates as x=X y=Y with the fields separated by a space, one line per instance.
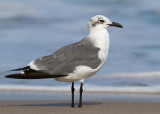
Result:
x=100 y=38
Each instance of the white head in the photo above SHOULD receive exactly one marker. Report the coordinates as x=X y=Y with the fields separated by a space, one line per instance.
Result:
x=100 y=22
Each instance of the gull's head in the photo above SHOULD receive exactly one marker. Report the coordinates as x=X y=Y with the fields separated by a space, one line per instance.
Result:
x=100 y=22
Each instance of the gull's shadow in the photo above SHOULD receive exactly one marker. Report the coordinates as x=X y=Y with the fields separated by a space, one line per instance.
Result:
x=60 y=104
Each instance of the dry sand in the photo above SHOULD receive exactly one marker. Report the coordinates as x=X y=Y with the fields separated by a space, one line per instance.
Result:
x=12 y=102
x=63 y=107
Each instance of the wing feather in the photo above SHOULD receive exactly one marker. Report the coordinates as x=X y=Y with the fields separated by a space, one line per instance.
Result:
x=64 y=60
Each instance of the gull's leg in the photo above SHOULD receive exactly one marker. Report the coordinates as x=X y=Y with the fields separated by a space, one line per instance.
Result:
x=80 y=98
x=72 y=89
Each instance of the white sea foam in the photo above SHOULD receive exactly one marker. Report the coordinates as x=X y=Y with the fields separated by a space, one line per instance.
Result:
x=153 y=74
x=87 y=88
x=32 y=88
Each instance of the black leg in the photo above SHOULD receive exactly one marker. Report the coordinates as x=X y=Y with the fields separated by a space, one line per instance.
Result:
x=72 y=89
x=80 y=98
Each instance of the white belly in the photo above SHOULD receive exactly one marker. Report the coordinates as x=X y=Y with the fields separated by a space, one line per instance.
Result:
x=79 y=74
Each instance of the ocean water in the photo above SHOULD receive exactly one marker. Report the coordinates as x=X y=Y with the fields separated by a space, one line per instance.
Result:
x=31 y=29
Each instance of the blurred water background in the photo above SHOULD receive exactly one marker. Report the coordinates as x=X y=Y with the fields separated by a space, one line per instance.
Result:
x=30 y=29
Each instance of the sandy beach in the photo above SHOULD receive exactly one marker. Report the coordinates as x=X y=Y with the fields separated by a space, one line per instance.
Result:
x=90 y=107
x=93 y=103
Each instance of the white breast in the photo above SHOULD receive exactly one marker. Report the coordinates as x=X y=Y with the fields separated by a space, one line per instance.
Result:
x=101 y=40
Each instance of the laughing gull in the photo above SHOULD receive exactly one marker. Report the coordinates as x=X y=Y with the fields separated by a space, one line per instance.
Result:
x=74 y=62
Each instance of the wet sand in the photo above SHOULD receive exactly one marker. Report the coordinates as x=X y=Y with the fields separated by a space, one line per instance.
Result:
x=93 y=103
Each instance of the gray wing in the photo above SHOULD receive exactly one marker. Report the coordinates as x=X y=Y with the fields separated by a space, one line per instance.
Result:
x=64 y=60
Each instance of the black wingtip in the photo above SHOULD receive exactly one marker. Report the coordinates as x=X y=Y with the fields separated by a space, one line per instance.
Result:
x=33 y=76
x=28 y=76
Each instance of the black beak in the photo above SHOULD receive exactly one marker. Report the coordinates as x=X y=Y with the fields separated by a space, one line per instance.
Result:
x=116 y=24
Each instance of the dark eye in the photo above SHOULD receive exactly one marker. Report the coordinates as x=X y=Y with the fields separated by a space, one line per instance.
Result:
x=101 y=21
